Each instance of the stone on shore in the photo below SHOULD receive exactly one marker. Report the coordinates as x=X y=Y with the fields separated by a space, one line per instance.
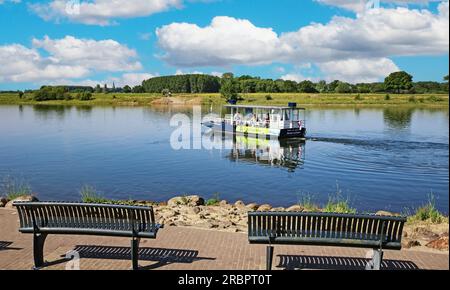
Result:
x=264 y=207
x=3 y=201
x=294 y=208
x=252 y=206
x=29 y=198
x=386 y=213
x=239 y=204
x=440 y=244
x=192 y=200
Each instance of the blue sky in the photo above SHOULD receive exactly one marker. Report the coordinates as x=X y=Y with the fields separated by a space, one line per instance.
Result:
x=41 y=42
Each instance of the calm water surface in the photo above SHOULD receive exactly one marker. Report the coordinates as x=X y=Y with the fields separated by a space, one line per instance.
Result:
x=388 y=159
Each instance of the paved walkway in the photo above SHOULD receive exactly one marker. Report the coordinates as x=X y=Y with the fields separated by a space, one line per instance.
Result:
x=192 y=249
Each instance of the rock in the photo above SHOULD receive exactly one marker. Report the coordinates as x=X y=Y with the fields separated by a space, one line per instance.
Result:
x=195 y=210
x=223 y=202
x=411 y=243
x=386 y=213
x=278 y=209
x=295 y=208
x=439 y=244
x=29 y=198
x=192 y=200
x=169 y=214
x=239 y=203
x=252 y=206
x=3 y=201
x=424 y=234
x=264 y=207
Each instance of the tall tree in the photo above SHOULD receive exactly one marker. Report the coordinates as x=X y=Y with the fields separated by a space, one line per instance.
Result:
x=398 y=82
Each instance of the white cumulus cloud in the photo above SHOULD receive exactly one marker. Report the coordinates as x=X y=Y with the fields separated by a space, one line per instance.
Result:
x=101 y=12
x=226 y=41
x=68 y=57
x=364 y=40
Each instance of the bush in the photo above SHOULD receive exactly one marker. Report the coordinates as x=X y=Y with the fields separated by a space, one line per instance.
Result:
x=412 y=99
x=47 y=93
x=435 y=99
x=387 y=97
x=213 y=201
x=269 y=98
x=358 y=98
x=84 y=96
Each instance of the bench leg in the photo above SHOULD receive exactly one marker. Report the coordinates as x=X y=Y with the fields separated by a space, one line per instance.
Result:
x=377 y=258
x=38 y=250
x=135 y=253
x=269 y=258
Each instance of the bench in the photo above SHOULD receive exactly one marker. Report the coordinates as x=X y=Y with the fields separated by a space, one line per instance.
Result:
x=326 y=229
x=43 y=218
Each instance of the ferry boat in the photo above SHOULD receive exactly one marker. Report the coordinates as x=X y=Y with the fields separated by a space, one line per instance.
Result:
x=262 y=121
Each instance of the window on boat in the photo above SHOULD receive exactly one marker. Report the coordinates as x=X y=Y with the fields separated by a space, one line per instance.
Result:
x=296 y=115
x=286 y=115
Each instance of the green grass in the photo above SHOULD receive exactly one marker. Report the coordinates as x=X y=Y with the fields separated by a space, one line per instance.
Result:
x=12 y=188
x=90 y=195
x=428 y=213
x=276 y=99
x=213 y=201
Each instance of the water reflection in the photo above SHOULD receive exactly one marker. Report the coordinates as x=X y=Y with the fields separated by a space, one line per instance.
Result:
x=289 y=154
x=48 y=112
x=398 y=118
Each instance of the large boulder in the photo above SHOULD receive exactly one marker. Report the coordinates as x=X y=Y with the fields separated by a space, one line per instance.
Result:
x=252 y=206
x=191 y=200
x=264 y=207
x=386 y=213
x=29 y=198
x=295 y=208
x=239 y=204
x=439 y=244
x=3 y=201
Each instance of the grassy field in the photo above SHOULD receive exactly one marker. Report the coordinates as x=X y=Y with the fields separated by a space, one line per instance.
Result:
x=122 y=99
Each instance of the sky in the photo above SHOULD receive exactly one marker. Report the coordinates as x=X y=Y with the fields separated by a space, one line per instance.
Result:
x=89 y=42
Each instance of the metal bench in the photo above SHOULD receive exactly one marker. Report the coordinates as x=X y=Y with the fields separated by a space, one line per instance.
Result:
x=43 y=218
x=326 y=229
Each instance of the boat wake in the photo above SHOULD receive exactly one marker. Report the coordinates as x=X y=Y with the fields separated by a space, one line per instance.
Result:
x=382 y=144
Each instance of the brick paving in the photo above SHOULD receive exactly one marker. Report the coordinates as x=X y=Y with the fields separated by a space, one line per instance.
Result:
x=184 y=248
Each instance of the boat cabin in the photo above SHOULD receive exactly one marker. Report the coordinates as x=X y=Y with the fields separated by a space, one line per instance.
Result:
x=268 y=121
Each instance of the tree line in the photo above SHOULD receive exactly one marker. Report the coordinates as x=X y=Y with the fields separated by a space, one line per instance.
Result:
x=231 y=87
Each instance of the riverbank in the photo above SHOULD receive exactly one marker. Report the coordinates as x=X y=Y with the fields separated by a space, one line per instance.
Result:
x=423 y=231
x=275 y=99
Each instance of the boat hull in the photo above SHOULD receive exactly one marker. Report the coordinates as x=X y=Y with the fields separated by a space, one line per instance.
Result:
x=260 y=132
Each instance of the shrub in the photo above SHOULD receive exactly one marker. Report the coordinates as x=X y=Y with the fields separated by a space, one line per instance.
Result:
x=13 y=188
x=84 y=96
x=269 y=98
x=166 y=93
x=358 y=98
x=435 y=99
x=213 y=201
x=412 y=99
x=387 y=97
